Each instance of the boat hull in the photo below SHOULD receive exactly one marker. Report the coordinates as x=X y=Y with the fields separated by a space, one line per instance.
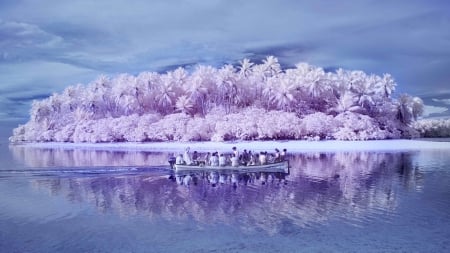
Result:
x=271 y=167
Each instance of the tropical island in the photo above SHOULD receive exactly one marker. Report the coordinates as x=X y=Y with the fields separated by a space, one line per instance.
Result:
x=245 y=102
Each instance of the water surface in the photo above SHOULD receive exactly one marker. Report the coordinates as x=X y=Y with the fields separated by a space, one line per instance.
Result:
x=59 y=200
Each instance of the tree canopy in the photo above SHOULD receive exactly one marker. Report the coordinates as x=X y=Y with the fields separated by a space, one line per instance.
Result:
x=248 y=101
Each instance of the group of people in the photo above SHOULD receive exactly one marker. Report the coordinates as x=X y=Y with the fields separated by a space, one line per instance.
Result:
x=235 y=158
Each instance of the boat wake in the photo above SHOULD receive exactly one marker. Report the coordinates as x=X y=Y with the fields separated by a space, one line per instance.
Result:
x=86 y=171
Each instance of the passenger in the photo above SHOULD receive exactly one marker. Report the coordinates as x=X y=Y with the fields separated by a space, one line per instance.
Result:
x=277 y=155
x=179 y=159
x=214 y=160
x=235 y=151
x=245 y=157
x=283 y=155
x=207 y=158
x=252 y=160
x=262 y=158
x=249 y=157
x=172 y=160
x=234 y=161
x=270 y=158
x=195 y=158
x=257 y=161
x=187 y=156
x=222 y=160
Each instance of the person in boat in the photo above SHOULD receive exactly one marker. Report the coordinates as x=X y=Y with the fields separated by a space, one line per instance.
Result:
x=252 y=160
x=270 y=158
x=245 y=157
x=195 y=158
x=283 y=155
x=214 y=160
x=187 y=156
x=277 y=156
x=262 y=158
x=207 y=158
x=235 y=151
x=179 y=159
x=234 y=160
x=172 y=159
x=222 y=160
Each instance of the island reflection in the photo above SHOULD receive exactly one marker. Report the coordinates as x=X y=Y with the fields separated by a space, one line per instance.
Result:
x=320 y=187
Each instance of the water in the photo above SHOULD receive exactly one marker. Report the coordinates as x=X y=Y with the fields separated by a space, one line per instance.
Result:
x=55 y=200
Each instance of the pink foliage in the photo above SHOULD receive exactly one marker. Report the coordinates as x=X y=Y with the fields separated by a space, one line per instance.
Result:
x=355 y=126
x=433 y=127
x=247 y=102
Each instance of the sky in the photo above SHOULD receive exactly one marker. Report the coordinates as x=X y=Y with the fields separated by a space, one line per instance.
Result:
x=48 y=45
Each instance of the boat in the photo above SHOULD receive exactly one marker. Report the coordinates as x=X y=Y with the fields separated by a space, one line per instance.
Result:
x=270 y=167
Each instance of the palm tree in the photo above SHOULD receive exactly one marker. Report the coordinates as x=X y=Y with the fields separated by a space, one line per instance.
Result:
x=179 y=76
x=313 y=79
x=245 y=68
x=224 y=82
x=347 y=102
x=184 y=104
x=283 y=94
x=404 y=109
x=409 y=108
x=165 y=97
x=388 y=85
x=271 y=67
x=197 y=94
x=417 y=107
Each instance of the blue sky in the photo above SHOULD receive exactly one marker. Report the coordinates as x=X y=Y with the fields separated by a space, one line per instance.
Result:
x=48 y=45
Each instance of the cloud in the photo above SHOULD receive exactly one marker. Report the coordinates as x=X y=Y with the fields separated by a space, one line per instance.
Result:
x=409 y=39
x=22 y=41
x=21 y=35
x=445 y=101
x=20 y=83
x=430 y=110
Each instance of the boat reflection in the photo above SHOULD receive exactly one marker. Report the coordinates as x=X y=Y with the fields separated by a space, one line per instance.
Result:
x=320 y=188
x=230 y=177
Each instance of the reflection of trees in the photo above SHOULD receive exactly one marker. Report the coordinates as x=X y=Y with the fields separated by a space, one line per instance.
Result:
x=49 y=157
x=352 y=186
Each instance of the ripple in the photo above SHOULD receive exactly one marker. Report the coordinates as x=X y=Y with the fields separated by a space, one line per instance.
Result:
x=375 y=198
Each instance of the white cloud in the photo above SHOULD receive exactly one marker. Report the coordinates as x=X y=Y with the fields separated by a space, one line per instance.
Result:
x=16 y=35
x=429 y=109
x=20 y=83
x=445 y=101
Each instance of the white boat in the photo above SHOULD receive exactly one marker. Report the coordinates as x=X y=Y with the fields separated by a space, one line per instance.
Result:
x=270 y=167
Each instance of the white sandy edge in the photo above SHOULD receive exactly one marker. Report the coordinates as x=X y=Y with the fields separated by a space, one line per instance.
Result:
x=291 y=146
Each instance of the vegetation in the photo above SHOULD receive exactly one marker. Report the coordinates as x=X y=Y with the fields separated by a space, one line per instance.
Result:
x=246 y=102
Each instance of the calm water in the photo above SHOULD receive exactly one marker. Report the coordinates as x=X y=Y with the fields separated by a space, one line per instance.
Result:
x=55 y=200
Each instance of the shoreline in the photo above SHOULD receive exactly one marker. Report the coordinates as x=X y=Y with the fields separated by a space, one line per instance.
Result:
x=297 y=146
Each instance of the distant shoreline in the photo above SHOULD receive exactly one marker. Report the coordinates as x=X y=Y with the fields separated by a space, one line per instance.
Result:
x=290 y=145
